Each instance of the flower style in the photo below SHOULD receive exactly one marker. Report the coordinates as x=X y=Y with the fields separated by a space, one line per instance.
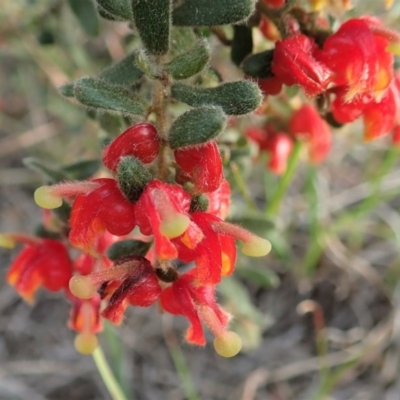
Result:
x=198 y=305
x=104 y=208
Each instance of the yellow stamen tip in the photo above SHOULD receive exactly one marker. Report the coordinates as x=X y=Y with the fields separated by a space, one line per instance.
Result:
x=86 y=343
x=82 y=287
x=258 y=247
x=394 y=48
x=6 y=241
x=174 y=226
x=45 y=199
x=228 y=344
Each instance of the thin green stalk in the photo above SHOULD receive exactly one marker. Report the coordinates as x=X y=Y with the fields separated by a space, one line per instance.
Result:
x=181 y=366
x=241 y=185
x=314 y=249
x=274 y=205
x=107 y=375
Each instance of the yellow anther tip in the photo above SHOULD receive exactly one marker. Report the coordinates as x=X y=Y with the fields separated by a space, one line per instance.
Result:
x=6 y=241
x=45 y=199
x=174 y=226
x=228 y=344
x=82 y=287
x=86 y=343
x=257 y=247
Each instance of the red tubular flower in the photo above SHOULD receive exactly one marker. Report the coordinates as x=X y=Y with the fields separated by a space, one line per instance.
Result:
x=162 y=211
x=278 y=145
x=42 y=262
x=139 y=288
x=140 y=141
x=358 y=58
x=295 y=63
x=84 y=316
x=379 y=117
x=197 y=304
x=219 y=201
x=307 y=124
x=214 y=252
x=200 y=165
x=104 y=208
x=271 y=86
x=269 y=29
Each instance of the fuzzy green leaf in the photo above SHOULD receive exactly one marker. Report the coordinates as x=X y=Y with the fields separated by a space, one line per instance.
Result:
x=132 y=177
x=124 y=72
x=82 y=169
x=259 y=65
x=211 y=12
x=242 y=43
x=190 y=63
x=235 y=98
x=120 y=9
x=52 y=175
x=152 y=19
x=95 y=93
x=85 y=12
x=196 y=126
x=128 y=247
x=67 y=90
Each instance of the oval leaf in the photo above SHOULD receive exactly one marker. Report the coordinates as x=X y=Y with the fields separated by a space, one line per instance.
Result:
x=235 y=98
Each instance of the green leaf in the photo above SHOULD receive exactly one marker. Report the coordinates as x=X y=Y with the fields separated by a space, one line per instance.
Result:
x=85 y=12
x=120 y=9
x=112 y=124
x=235 y=98
x=152 y=19
x=259 y=65
x=67 y=90
x=258 y=224
x=128 y=247
x=242 y=43
x=265 y=278
x=211 y=12
x=182 y=39
x=132 y=177
x=95 y=93
x=82 y=169
x=196 y=126
x=53 y=175
x=124 y=72
x=191 y=62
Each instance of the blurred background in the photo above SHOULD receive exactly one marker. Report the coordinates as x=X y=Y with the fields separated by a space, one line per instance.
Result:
x=319 y=316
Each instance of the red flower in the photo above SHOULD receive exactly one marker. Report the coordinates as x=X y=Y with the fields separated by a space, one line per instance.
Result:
x=307 y=124
x=197 y=304
x=140 y=141
x=200 y=165
x=219 y=200
x=358 y=58
x=42 y=262
x=104 y=208
x=214 y=252
x=278 y=145
x=295 y=63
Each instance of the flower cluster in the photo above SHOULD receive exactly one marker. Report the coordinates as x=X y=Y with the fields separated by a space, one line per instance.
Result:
x=350 y=71
x=179 y=220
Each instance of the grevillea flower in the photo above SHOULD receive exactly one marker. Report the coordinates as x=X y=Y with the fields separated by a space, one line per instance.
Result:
x=162 y=211
x=219 y=200
x=132 y=280
x=41 y=262
x=278 y=145
x=104 y=208
x=201 y=165
x=307 y=124
x=140 y=141
x=358 y=58
x=295 y=63
x=197 y=303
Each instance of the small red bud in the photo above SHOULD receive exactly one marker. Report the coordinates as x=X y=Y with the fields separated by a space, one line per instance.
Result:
x=140 y=141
